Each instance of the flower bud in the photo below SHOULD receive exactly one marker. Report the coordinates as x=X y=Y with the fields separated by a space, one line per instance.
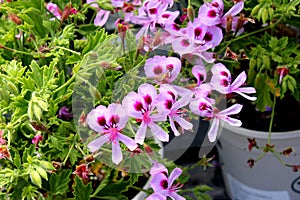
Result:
x=191 y=13
x=15 y=18
x=287 y=151
x=251 y=162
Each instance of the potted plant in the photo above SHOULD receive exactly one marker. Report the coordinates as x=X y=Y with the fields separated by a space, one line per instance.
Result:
x=259 y=159
x=84 y=111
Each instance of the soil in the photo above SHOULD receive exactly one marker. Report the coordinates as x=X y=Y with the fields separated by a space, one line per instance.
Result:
x=287 y=115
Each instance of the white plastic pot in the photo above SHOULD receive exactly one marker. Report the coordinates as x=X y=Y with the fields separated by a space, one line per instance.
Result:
x=268 y=179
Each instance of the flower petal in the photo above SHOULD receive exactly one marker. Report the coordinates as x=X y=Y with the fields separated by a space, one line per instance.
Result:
x=129 y=142
x=159 y=132
x=140 y=134
x=101 y=17
x=213 y=130
x=117 y=156
x=240 y=80
x=174 y=175
x=183 y=123
x=232 y=110
x=97 y=143
x=156 y=196
x=158 y=168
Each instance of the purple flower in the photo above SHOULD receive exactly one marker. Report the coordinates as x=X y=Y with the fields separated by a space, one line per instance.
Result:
x=142 y=106
x=54 y=9
x=83 y=171
x=152 y=14
x=168 y=98
x=162 y=69
x=109 y=122
x=204 y=108
x=163 y=185
x=64 y=113
x=102 y=15
x=36 y=139
x=221 y=81
x=195 y=40
x=212 y=13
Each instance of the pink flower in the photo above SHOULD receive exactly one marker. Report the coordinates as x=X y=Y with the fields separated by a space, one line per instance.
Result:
x=168 y=98
x=102 y=15
x=54 y=9
x=2 y=139
x=212 y=13
x=221 y=81
x=163 y=185
x=282 y=71
x=142 y=106
x=109 y=122
x=152 y=14
x=162 y=69
x=4 y=152
x=82 y=171
x=36 y=139
x=204 y=108
x=195 y=40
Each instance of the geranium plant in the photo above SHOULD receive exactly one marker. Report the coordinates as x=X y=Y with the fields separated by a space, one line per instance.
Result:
x=85 y=108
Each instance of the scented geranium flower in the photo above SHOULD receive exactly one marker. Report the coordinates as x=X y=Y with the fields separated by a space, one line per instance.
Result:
x=142 y=106
x=195 y=40
x=163 y=185
x=168 y=102
x=58 y=13
x=109 y=122
x=102 y=15
x=83 y=171
x=54 y=9
x=36 y=139
x=200 y=74
x=212 y=13
x=221 y=81
x=162 y=69
x=151 y=15
x=204 y=108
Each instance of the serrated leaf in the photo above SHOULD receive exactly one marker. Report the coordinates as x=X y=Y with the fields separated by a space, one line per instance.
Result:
x=81 y=191
x=263 y=92
x=59 y=182
x=17 y=160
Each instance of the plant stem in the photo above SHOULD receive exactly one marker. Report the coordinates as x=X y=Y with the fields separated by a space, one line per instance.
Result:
x=139 y=189
x=252 y=33
x=66 y=49
x=65 y=84
x=272 y=119
x=16 y=51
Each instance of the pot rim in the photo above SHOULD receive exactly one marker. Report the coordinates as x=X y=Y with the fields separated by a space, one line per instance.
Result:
x=261 y=134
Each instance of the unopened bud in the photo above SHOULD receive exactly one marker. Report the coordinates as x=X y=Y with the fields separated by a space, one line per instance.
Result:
x=15 y=18
x=287 y=152
x=89 y=158
x=251 y=162
x=191 y=13
x=228 y=23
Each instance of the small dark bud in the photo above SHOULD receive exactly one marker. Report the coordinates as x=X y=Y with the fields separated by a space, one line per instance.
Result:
x=287 y=152
x=89 y=158
x=252 y=143
x=251 y=162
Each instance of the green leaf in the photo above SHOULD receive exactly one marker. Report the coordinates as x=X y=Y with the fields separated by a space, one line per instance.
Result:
x=59 y=182
x=263 y=91
x=35 y=178
x=17 y=160
x=33 y=18
x=81 y=191
x=17 y=193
